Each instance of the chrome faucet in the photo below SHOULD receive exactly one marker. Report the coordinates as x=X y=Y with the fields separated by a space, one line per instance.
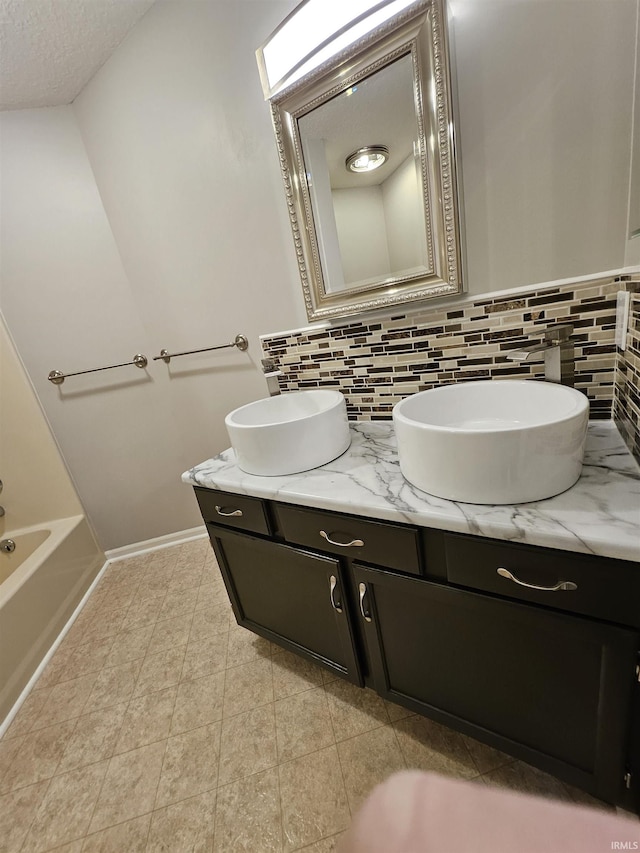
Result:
x=557 y=349
x=271 y=374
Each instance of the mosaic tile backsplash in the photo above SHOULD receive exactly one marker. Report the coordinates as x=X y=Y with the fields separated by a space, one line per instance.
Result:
x=626 y=403
x=376 y=363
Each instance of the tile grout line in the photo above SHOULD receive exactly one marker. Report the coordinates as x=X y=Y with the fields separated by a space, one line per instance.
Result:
x=307 y=755
x=254 y=772
x=95 y=805
x=104 y=829
x=114 y=754
x=89 y=672
x=179 y=682
x=45 y=778
x=109 y=760
x=217 y=785
x=335 y=738
x=278 y=764
x=155 y=796
x=344 y=784
x=129 y=702
x=470 y=754
x=35 y=815
x=395 y=734
x=280 y=810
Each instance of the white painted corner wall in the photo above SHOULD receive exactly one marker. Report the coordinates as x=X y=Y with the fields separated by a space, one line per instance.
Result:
x=150 y=214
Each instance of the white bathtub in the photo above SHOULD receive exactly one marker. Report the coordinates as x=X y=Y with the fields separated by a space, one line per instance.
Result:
x=41 y=584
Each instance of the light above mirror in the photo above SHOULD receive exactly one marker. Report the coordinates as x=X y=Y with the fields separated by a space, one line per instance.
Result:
x=368 y=237
x=315 y=32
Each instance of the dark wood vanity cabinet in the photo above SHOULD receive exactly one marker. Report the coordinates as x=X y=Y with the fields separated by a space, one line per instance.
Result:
x=422 y=617
x=290 y=596
x=552 y=689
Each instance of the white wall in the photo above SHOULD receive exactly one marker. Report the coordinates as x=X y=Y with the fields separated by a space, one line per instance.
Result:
x=68 y=305
x=381 y=228
x=324 y=216
x=362 y=234
x=632 y=249
x=545 y=95
x=404 y=217
x=195 y=247
x=632 y=253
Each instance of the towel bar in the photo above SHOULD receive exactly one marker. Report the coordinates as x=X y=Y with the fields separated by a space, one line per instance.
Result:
x=57 y=377
x=240 y=342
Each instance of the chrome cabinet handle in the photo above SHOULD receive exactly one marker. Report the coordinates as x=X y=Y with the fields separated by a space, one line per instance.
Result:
x=228 y=514
x=333 y=581
x=363 y=592
x=353 y=544
x=568 y=585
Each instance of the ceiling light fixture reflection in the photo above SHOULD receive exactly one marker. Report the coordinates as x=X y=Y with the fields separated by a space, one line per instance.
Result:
x=367 y=159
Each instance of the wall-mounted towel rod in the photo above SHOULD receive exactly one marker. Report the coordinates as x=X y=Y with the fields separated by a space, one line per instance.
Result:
x=240 y=341
x=57 y=377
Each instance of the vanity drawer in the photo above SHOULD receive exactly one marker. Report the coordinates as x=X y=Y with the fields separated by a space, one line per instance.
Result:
x=238 y=511
x=378 y=542
x=604 y=588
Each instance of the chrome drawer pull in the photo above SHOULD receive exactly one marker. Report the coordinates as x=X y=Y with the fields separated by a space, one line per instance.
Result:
x=332 y=585
x=568 y=585
x=228 y=514
x=363 y=592
x=353 y=544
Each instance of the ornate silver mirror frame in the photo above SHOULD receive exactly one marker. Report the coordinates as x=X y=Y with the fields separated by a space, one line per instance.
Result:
x=419 y=32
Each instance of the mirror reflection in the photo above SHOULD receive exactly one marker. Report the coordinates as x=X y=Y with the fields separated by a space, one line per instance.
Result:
x=374 y=237
x=362 y=161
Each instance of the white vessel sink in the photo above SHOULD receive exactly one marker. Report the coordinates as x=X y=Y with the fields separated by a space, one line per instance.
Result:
x=290 y=432
x=494 y=441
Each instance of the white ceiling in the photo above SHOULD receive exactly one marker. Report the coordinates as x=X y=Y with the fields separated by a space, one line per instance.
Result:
x=50 y=49
x=380 y=110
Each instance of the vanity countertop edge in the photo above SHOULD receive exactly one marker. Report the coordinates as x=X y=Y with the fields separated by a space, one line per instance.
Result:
x=599 y=515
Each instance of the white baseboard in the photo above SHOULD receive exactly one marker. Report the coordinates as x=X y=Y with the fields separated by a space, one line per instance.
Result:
x=45 y=660
x=137 y=548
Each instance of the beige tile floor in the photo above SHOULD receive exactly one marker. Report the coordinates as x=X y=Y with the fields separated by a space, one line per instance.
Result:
x=160 y=725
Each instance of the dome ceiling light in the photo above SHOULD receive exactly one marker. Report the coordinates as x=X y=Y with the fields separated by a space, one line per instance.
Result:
x=367 y=159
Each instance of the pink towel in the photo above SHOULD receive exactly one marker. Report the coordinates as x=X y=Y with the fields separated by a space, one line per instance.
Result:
x=415 y=812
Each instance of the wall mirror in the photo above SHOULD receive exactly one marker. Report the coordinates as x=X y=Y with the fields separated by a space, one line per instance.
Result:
x=366 y=145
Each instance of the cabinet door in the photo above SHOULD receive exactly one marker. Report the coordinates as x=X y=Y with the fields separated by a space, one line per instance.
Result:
x=293 y=597
x=550 y=688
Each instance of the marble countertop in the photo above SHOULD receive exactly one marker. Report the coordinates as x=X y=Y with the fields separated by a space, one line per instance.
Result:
x=599 y=515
